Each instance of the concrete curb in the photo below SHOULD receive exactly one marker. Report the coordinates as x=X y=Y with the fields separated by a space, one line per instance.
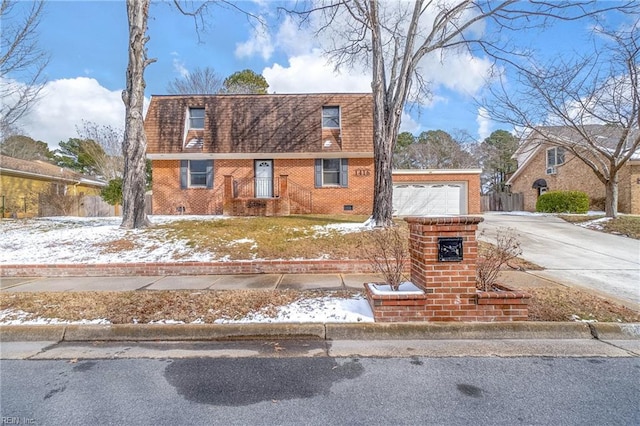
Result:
x=319 y=331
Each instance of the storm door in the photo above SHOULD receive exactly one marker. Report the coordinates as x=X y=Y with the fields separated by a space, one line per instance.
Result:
x=264 y=178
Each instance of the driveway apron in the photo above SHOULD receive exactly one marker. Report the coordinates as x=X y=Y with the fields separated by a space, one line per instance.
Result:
x=574 y=255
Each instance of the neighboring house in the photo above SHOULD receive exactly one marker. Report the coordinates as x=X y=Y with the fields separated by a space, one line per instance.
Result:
x=38 y=188
x=271 y=155
x=544 y=167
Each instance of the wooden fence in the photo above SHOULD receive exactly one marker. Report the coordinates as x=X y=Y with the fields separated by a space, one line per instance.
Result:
x=73 y=205
x=502 y=202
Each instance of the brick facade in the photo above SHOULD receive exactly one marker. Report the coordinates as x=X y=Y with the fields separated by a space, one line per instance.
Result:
x=574 y=175
x=168 y=197
x=450 y=292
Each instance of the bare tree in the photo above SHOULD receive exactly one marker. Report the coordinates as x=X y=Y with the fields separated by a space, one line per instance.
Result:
x=134 y=145
x=107 y=152
x=201 y=81
x=590 y=107
x=22 y=62
x=394 y=37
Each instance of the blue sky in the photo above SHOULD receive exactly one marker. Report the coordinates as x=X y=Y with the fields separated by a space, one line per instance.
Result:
x=87 y=41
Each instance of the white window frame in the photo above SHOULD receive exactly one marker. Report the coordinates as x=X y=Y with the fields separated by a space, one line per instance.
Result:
x=336 y=172
x=325 y=115
x=192 y=118
x=342 y=173
x=552 y=153
x=203 y=173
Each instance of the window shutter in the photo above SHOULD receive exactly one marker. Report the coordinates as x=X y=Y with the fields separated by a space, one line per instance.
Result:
x=184 y=174
x=318 y=172
x=210 y=174
x=344 y=172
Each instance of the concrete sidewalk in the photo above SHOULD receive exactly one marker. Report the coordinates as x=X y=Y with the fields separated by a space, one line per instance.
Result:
x=191 y=282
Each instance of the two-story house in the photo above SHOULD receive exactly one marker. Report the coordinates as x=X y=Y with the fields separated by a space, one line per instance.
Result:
x=278 y=155
x=261 y=154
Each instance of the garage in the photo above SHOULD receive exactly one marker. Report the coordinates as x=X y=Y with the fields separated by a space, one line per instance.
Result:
x=419 y=199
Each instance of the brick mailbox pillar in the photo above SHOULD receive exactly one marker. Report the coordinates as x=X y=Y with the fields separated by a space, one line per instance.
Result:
x=444 y=253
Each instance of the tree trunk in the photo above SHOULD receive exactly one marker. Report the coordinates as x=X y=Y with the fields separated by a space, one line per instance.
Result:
x=134 y=146
x=611 y=196
x=382 y=214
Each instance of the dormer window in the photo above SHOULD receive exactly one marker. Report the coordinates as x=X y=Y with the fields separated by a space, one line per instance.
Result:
x=331 y=117
x=196 y=118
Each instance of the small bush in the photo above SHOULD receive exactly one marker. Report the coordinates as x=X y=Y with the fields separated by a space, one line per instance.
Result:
x=563 y=202
x=112 y=193
x=491 y=257
x=387 y=251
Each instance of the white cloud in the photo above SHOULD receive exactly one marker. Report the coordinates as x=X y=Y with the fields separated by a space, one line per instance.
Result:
x=178 y=66
x=484 y=124
x=65 y=103
x=457 y=71
x=311 y=73
x=408 y=124
x=259 y=43
x=294 y=40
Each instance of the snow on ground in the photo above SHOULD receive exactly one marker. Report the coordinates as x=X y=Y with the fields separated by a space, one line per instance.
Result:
x=321 y=310
x=318 y=310
x=14 y=317
x=87 y=240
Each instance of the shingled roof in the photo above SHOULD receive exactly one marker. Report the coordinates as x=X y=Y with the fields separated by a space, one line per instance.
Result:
x=289 y=123
x=42 y=169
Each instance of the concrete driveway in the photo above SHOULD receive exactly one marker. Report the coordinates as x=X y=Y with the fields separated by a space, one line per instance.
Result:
x=573 y=255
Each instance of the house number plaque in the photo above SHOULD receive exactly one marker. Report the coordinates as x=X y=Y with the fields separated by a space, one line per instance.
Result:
x=450 y=249
x=362 y=172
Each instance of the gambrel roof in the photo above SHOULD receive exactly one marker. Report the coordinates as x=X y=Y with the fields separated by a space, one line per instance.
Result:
x=235 y=124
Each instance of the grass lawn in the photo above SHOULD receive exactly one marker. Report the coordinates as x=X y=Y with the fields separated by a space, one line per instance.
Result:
x=292 y=237
x=546 y=304
x=622 y=225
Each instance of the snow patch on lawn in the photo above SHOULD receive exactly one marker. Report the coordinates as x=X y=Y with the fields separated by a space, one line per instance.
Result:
x=55 y=240
x=91 y=240
x=319 y=310
x=16 y=317
x=596 y=224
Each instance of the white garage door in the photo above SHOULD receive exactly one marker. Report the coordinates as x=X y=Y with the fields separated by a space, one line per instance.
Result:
x=427 y=199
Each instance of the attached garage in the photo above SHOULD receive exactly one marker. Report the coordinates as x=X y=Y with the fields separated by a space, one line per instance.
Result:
x=436 y=192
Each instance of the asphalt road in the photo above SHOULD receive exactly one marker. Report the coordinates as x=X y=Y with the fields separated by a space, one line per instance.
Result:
x=574 y=255
x=322 y=391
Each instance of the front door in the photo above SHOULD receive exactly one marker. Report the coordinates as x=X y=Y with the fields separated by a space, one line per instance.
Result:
x=264 y=178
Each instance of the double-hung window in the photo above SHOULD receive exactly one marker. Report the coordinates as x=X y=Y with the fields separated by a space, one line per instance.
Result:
x=555 y=157
x=196 y=174
x=331 y=172
x=331 y=117
x=196 y=118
